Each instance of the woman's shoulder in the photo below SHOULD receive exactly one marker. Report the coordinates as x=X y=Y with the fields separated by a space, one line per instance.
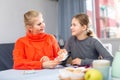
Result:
x=50 y=36
x=21 y=39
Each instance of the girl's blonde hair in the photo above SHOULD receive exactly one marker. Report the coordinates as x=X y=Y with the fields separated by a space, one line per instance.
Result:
x=28 y=17
x=84 y=20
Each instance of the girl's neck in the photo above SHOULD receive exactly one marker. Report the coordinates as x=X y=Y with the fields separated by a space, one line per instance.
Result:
x=82 y=37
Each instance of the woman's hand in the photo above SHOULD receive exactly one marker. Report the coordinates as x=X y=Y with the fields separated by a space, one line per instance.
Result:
x=61 y=51
x=62 y=55
x=44 y=58
x=50 y=64
x=76 y=61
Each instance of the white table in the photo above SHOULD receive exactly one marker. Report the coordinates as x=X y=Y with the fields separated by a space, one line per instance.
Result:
x=45 y=74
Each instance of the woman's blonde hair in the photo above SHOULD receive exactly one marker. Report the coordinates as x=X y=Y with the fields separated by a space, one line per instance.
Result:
x=28 y=17
x=84 y=20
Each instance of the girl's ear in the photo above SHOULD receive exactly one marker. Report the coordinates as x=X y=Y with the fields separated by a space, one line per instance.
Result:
x=84 y=27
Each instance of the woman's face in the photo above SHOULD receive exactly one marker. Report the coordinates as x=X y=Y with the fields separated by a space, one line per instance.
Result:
x=76 y=28
x=38 y=26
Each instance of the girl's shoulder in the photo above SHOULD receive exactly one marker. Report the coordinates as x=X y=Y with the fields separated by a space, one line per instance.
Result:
x=71 y=38
x=21 y=38
x=93 y=40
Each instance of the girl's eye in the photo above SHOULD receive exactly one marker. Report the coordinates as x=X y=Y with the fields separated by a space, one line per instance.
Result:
x=73 y=25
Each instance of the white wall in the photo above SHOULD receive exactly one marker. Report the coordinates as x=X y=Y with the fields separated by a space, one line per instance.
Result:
x=11 y=17
x=115 y=42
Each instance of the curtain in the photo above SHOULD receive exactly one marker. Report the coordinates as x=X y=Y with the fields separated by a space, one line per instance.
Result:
x=67 y=9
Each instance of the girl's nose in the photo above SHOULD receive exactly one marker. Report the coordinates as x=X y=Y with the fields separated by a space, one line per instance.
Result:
x=71 y=27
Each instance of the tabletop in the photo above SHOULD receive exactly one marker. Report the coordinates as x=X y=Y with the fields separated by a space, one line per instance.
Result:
x=45 y=74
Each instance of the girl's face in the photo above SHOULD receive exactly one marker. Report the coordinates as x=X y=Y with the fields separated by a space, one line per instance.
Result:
x=76 y=28
x=38 y=26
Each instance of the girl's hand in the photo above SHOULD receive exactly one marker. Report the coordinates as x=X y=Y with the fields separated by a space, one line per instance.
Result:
x=76 y=61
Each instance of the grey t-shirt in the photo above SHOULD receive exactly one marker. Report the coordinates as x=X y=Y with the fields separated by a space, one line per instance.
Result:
x=88 y=50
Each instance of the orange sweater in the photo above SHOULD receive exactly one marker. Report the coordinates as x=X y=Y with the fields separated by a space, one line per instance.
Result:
x=30 y=49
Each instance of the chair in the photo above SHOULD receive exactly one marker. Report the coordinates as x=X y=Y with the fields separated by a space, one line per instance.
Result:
x=6 y=59
x=108 y=46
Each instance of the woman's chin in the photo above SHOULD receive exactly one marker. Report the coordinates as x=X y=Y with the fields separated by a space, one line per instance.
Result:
x=41 y=32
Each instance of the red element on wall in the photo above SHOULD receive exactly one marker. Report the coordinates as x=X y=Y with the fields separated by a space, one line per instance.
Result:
x=97 y=14
x=107 y=2
x=111 y=22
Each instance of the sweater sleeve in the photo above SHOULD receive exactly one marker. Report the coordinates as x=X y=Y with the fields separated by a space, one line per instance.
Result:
x=103 y=51
x=20 y=60
x=55 y=46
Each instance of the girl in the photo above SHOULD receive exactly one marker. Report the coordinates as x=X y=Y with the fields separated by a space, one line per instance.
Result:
x=82 y=46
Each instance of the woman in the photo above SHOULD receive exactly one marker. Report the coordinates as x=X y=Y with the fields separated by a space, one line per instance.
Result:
x=36 y=50
x=82 y=46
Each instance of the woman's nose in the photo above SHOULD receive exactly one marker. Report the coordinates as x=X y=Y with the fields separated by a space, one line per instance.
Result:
x=43 y=25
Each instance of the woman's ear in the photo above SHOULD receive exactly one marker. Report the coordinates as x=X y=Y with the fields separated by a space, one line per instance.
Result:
x=29 y=28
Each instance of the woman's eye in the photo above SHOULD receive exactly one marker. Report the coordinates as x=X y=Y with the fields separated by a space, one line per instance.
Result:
x=39 y=24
